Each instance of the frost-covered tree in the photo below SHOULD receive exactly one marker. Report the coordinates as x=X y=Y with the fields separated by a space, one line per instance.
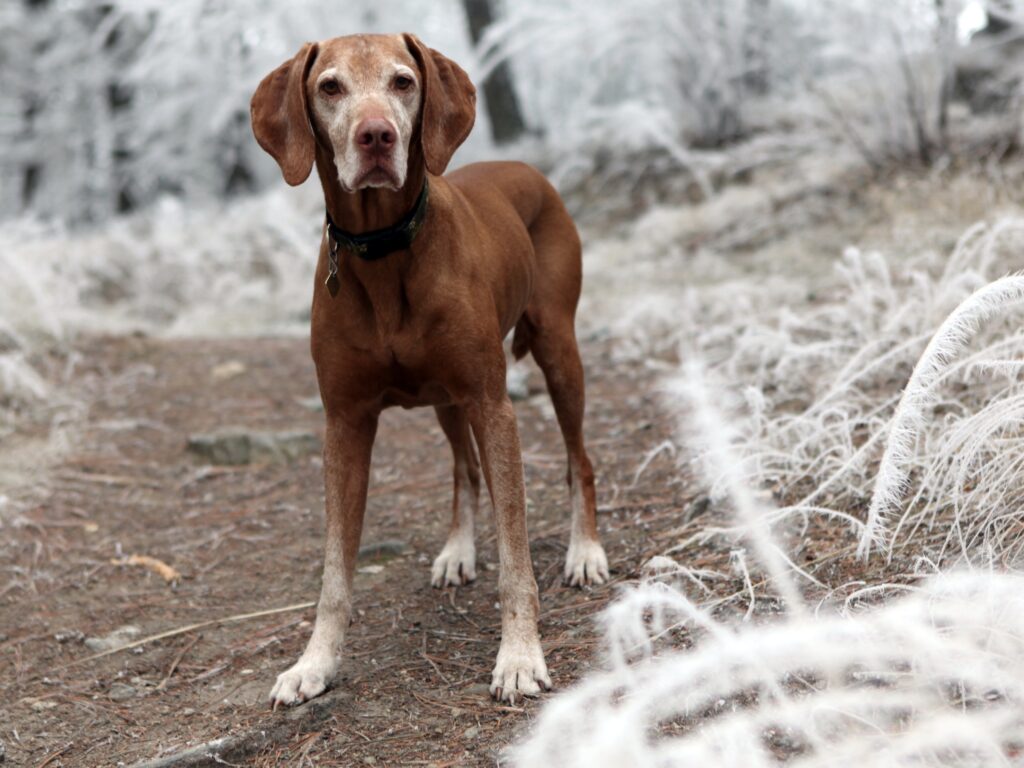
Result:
x=614 y=84
x=499 y=92
x=107 y=104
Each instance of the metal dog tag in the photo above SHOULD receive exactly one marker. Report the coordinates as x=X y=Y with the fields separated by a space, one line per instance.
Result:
x=332 y=282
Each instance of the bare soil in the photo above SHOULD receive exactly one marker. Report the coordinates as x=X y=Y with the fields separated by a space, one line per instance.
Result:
x=413 y=690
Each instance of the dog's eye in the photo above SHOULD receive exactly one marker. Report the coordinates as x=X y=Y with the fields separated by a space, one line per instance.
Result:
x=330 y=87
x=403 y=83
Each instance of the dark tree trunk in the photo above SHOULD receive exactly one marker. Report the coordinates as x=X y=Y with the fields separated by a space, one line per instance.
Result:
x=756 y=44
x=499 y=94
x=947 y=45
x=1000 y=17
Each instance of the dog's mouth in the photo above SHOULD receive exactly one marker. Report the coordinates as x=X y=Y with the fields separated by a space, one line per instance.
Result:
x=378 y=173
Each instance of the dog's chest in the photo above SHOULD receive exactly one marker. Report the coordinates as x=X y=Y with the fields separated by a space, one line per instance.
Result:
x=402 y=341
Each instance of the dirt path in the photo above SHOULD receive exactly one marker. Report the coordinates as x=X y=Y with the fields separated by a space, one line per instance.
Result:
x=248 y=538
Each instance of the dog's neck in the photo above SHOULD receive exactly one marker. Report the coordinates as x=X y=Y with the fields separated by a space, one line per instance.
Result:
x=370 y=209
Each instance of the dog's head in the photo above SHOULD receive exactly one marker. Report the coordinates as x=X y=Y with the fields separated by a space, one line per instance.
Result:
x=372 y=101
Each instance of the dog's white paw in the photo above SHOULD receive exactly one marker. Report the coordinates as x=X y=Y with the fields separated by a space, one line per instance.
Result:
x=306 y=680
x=586 y=563
x=519 y=671
x=456 y=565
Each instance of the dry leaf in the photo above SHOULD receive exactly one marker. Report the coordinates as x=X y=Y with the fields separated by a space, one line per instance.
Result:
x=168 y=573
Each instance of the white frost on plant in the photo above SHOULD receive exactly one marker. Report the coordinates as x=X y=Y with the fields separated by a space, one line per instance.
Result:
x=931 y=678
x=241 y=268
x=935 y=678
x=910 y=416
x=822 y=379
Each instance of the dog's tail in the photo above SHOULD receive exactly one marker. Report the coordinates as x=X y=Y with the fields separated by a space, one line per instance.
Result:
x=522 y=338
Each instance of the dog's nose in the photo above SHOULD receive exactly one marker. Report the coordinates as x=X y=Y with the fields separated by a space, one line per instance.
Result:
x=375 y=134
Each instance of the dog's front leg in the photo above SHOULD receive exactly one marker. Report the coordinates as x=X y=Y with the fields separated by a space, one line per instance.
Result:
x=348 y=443
x=519 y=669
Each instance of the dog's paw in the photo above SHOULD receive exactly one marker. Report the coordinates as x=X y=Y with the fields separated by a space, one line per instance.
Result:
x=456 y=565
x=519 y=671
x=586 y=563
x=306 y=680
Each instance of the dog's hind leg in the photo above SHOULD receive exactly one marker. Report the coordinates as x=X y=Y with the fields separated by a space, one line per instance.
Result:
x=456 y=564
x=554 y=349
x=548 y=327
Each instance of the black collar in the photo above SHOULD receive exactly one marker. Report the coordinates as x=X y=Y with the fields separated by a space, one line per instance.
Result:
x=371 y=246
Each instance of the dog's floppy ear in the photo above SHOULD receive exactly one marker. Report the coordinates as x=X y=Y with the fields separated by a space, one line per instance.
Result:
x=280 y=116
x=449 y=105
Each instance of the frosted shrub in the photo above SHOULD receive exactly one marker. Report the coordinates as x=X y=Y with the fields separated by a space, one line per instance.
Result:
x=611 y=81
x=153 y=97
x=235 y=269
x=631 y=91
x=829 y=424
x=886 y=76
x=933 y=678
x=910 y=416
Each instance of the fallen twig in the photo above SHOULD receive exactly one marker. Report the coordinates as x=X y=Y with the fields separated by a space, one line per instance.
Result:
x=177 y=661
x=433 y=664
x=189 y=628
x=230 y=749
x=55 y=755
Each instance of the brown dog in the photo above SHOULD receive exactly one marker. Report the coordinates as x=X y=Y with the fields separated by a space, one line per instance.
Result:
x=420 y=279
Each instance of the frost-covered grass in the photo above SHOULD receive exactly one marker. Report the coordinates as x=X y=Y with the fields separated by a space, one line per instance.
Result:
x=934 y=677
x=826 y=422
x=244 y=267
x=890 y=405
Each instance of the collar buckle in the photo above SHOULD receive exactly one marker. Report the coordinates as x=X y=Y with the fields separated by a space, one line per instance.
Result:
x=371 y=246
x=332 y=266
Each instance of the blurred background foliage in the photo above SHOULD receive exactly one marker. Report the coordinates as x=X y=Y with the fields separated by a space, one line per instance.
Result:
x=107 y=105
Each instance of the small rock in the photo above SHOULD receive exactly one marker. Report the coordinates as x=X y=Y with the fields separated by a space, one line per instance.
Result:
x=69 y=636
x=517 y=382
x=370 y=760
x=121 y=692
x=115 y=639
x=371 y=569
x=227 y=370
x=250 y=693
x=314 y=403
x=236 y=446
x=385 y=548
x=41 y=705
